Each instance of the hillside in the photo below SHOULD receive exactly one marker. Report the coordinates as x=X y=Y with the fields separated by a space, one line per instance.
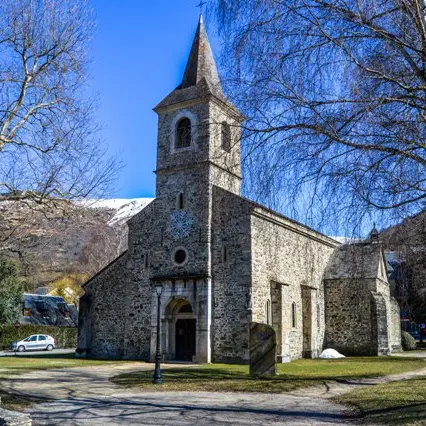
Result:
x=47 y=245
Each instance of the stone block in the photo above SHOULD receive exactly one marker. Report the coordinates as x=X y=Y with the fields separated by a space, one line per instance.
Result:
x=263 y=349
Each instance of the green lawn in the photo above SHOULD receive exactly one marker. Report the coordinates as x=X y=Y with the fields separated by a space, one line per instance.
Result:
x=297 y=374
x=396 y=403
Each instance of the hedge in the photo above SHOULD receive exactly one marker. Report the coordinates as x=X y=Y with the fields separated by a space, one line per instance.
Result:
x=66 y=337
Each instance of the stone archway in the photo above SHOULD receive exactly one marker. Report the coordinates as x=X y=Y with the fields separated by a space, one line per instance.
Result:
x=182 y=328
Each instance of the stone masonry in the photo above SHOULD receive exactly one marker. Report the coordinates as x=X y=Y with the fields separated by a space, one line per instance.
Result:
x=221 y=261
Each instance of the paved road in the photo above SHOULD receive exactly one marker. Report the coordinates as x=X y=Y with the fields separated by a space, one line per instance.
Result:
x=190 y=408
x=85 y=396
x=31 y=353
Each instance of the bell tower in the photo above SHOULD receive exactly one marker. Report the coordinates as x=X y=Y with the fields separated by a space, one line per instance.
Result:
x=198 y=128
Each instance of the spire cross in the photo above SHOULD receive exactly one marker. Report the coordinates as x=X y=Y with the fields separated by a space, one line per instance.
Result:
x=201 y=5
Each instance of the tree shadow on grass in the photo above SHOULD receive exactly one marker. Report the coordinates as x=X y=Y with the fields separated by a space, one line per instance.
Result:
x=218 y=379
x=406 y=415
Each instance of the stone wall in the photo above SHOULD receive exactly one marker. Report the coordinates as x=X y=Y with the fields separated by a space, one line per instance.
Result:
x=291 y=257
x=379 y=323
x=395 y=331
x=101 y=334
x=348 y=321
x=231 y=274
x=144 y=251
x=359 y=311
x=226 y=166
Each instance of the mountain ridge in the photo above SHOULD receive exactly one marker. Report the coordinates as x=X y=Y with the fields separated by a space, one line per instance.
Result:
x=49 y=244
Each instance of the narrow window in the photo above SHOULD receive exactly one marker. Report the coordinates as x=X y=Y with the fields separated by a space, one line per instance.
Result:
x=318 y=316
x=268 y=313
x=225 y=254
x=181 y=201
x=293 y=315
x=226 y=137
x=146 y=261
x=183 y=133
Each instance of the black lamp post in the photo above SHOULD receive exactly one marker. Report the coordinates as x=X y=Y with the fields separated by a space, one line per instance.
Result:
x=157 y=379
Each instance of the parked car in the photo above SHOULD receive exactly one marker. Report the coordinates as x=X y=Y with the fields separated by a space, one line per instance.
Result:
x=36 y=342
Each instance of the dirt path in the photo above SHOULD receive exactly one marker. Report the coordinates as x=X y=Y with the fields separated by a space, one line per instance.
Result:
x=80 y=396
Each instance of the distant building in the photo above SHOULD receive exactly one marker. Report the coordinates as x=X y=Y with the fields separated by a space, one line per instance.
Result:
x=48 y=310
x=221 y=261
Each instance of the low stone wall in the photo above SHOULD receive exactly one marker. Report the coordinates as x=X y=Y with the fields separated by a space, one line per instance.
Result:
x=13 y=418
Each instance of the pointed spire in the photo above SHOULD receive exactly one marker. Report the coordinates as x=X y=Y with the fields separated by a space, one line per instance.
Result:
x=374 y=234
x=201 y=63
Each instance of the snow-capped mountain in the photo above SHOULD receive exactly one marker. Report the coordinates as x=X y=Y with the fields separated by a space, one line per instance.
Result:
x=49 y=245
x=124 y=208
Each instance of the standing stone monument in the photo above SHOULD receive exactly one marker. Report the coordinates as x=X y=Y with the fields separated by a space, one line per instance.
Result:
x=263 y=349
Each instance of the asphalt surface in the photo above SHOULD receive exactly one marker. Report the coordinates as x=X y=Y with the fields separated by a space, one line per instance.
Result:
x=85 y=396
x=191 y=408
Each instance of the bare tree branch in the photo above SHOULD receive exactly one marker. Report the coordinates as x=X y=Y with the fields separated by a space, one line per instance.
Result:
x=49 y=145
x=335 y=98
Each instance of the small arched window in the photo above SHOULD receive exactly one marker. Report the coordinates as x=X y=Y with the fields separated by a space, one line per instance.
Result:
x=226 y=137
x=293 y=314
x=183 y=133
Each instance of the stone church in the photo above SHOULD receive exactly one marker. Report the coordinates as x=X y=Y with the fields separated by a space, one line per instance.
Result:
x=220 y=261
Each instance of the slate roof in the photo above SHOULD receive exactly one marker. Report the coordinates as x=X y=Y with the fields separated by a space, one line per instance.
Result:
x=48 y=310
x=201 y=64
x=201 y=77
x=360 y=260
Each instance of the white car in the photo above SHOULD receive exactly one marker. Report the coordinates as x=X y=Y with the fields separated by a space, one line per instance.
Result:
x=36 y=342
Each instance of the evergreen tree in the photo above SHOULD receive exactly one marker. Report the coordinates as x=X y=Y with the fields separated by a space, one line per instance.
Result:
x=11 y=292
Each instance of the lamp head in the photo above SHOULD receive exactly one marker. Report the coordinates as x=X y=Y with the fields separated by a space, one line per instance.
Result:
x=158 y=289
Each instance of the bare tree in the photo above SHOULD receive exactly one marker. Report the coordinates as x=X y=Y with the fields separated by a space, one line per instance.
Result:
x=334 y=92
x=49 y=146
x=408 y=243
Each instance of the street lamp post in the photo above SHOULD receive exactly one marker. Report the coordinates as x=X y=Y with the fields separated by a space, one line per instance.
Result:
x=157 y=379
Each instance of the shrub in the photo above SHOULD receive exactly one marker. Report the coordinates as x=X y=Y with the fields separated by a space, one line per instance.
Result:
x=11 y=289
x=66 y=337
x=407 y=341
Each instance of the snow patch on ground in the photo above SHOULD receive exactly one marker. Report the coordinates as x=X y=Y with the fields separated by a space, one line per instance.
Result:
x=330 y=354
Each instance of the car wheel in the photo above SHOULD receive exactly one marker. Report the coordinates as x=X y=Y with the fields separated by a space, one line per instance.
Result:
x=21 y=348
x=49 y=348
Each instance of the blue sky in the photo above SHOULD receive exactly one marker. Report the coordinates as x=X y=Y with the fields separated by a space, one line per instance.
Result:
x=139 y=53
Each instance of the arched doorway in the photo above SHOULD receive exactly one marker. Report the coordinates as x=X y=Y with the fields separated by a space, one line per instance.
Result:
x=182 y=330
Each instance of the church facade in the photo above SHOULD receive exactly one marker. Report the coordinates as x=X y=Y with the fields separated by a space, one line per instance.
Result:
x=220 y=261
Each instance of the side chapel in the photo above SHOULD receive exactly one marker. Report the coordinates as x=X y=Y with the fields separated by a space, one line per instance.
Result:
x=221 y=261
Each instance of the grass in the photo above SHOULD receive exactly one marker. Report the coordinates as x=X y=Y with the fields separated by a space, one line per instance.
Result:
x=21 y=364
x=297 y=374
x=395 y=403
x=14 y=402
